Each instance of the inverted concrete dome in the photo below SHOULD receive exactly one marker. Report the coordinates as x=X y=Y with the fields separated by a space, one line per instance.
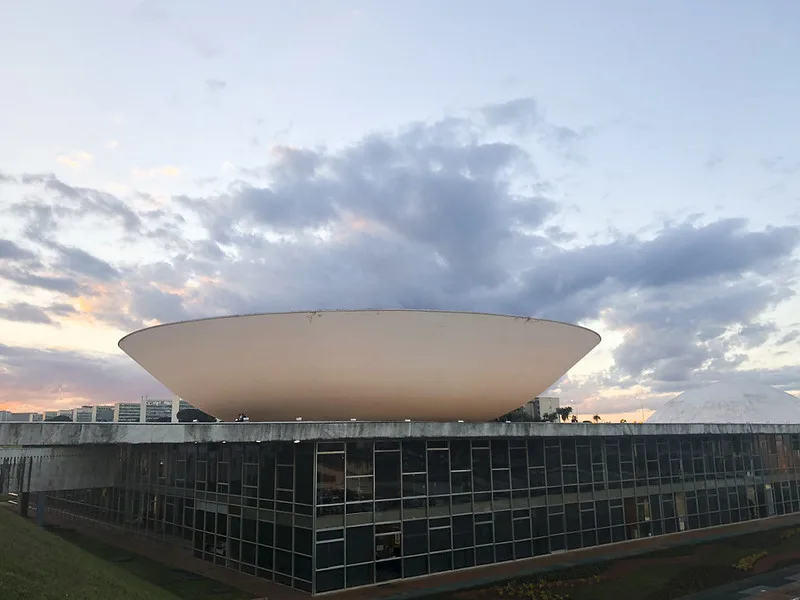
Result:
x=371 y=365
x=731 y=402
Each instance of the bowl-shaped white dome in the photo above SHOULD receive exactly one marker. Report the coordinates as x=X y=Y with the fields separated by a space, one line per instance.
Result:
x=730 y=402
x=365 y=365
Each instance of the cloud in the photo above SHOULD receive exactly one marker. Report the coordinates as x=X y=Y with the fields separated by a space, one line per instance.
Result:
x=77 y=261
x=10 y=250
x=215 y=85
x=112 y=144
x=59 y=284
x=789 y=338
x=780 y=165
x=75 y=160
x=46 y=377
x=24 y=313
x=451 y=214
x=165 y=171
x=204 y=47
x=72 y=202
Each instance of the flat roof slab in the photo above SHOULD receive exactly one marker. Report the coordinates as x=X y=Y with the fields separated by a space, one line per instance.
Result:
x=77 y=434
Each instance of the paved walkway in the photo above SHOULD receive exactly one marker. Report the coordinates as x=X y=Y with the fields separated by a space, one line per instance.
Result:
x=493 y=574
x=783 y=584
x=407 y=589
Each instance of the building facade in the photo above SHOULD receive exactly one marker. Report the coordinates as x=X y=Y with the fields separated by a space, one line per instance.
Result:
x=329 y=515
x=82 y=414
x=545 y=405
x=103 y=414
x=21 y=417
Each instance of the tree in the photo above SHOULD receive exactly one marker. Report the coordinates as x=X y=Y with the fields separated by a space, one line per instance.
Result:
x=59 y=419
x=550 y=417
x=190 y=415
x=574 y=419
x=519 y=415
x=596 y=418
x=564 y=412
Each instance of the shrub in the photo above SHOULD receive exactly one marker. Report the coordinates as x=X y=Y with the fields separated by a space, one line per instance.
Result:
x=790 y=533
x=539 y=590
x=748 y=562
x=695 y=579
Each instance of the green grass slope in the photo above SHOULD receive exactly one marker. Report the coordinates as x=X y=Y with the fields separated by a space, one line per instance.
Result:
x=38 y=565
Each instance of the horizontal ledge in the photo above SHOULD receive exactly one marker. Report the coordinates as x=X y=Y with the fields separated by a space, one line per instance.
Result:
x=76 y=434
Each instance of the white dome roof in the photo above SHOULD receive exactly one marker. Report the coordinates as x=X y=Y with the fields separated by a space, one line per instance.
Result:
x=731 y=402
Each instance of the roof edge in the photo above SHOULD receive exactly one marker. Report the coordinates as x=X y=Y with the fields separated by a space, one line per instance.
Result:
x=358 y=310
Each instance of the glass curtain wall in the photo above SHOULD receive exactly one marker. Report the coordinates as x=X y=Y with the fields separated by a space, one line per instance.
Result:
x=333 y=515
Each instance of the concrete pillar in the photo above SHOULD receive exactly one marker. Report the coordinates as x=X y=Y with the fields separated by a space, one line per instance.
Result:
x=24 y=499
x=41 y=506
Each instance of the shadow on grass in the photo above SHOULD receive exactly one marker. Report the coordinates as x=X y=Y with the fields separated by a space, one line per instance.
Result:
x=181 y=583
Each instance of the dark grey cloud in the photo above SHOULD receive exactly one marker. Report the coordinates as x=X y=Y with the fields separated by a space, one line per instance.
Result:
x=63 y=285
x=25 y=313
x=754 y=335
x=153 y=304
x=77 y=261
x=12 y=251
x=666 y=341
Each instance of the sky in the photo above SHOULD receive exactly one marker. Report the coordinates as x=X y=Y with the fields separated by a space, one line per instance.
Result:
x=631 y=167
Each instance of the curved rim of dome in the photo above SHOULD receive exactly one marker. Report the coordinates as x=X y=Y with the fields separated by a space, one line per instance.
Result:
x=357 y=310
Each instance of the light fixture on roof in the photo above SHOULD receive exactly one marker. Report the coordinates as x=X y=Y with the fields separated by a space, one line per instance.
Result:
x=353 y=419
x=461 y=420
x=408 y=420
x=298 y=418
x=297 y=441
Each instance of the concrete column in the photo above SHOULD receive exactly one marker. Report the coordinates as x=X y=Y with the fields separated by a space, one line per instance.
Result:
x=41 y=506
x=24 y=499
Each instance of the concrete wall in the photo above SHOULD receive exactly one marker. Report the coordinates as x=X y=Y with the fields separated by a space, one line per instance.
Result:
x=83 y=434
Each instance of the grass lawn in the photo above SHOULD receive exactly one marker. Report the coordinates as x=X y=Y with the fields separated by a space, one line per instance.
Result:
x=37 y=565
x=181 y=584
x=661 y=575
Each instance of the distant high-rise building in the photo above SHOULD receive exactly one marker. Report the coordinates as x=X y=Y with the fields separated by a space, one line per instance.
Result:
x=82 y=414
x=146 y=410
x=128 y=412
x=544 y=405
x=19 y=417
x=103 y=414
x=155 y=410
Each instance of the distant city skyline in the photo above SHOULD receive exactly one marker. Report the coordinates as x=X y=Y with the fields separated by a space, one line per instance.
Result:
x=631 y=168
